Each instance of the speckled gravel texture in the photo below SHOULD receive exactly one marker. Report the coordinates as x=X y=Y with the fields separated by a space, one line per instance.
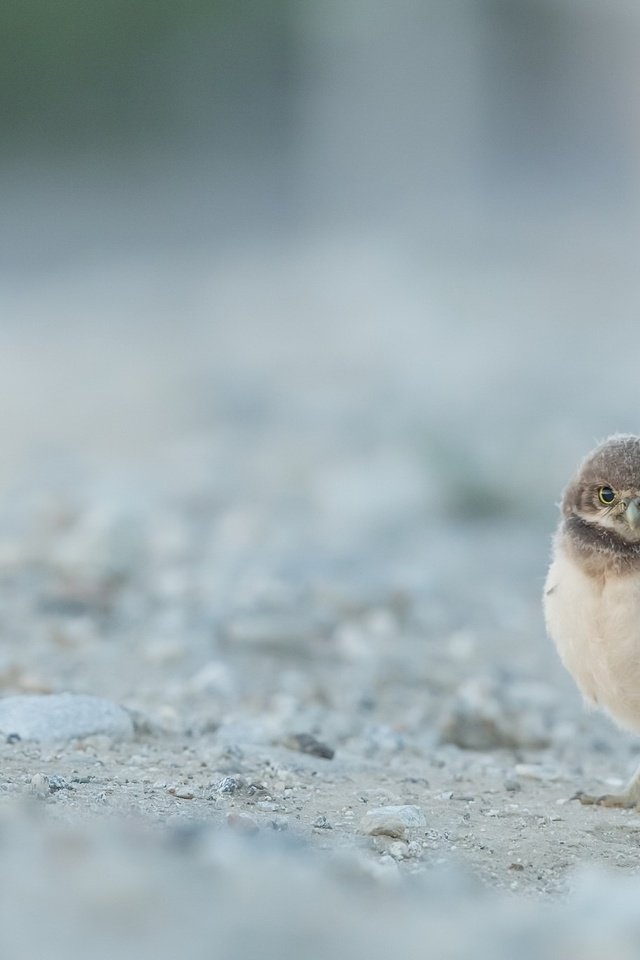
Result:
x=293 y=515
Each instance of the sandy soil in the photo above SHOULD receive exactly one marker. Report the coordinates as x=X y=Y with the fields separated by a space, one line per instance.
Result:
x=271 y=542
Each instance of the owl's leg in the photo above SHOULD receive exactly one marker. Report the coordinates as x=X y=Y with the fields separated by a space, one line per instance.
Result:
x=629 y=799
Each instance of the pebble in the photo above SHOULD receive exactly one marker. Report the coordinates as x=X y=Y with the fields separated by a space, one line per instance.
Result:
x=43 y=785
x=271 y=632
x=307 y=743
x=182 y=793
x=399 y=849
x=512 y=786
x=487 y=713
x=58 y=783
x=64 y=716
x=40 y=784
x=321 y=823
x=230 y=785
x=242 y=823
x=537 y=771
x=392 y=821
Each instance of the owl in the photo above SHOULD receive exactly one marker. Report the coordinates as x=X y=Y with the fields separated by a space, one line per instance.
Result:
x=592 y=591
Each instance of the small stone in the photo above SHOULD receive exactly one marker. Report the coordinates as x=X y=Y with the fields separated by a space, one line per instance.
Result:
x=321 y=823
x=182 y=793
x=306 y=743
x=230 y=785
x=537 y=771
x=40 y=784
x=242 y=823
x=64 y=716
x=13 y=738
x=512 y=786
x=392 y=821
x=399 y=849
x=57 y=783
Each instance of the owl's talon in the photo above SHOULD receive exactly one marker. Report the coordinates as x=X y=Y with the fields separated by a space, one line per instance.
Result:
x=613 y=800
x=587 y=799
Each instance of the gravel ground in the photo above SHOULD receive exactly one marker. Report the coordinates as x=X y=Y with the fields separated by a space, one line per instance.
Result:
x=301 y=539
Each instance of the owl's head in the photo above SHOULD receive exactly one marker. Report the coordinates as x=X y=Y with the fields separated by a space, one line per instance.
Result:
x=606 y=490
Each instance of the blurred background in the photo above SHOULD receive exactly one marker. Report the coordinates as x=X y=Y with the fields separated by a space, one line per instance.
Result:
x=374 y=263
x=307 y=312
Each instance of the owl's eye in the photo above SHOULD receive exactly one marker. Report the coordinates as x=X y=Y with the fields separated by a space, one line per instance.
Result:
x=606 y=495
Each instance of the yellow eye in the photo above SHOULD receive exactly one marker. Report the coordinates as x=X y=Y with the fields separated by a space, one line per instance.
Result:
x=606 y=495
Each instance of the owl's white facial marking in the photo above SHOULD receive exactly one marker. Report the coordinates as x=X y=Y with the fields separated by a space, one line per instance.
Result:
x=621 y=515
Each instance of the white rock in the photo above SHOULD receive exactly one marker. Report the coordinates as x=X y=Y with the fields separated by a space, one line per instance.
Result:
x=392 y=821
x=537 y=771
x=63 y=716
x=399 y=849
x=182 y=792
x=39 y=784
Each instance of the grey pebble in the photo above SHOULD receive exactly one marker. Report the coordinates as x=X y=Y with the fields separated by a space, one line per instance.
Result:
x=321 y=823
x=307 y=743
x=64 y=716
x=392 y=821
x=230 y=785
x=58 y=783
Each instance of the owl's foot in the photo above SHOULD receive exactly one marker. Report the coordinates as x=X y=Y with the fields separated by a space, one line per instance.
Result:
x=629 y=800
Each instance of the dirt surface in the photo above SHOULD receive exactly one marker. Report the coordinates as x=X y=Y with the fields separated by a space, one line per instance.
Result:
x=309 y=563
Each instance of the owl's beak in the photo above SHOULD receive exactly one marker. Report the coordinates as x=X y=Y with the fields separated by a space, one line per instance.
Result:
x=632 y=513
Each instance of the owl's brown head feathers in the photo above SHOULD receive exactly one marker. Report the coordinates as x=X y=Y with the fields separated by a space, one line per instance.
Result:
x=601 y=505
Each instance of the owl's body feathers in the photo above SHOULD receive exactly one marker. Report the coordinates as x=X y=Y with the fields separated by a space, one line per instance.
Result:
x=594 y=621
x=592 y=591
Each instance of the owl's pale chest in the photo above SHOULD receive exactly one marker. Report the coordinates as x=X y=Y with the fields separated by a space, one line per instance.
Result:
x=595 y=625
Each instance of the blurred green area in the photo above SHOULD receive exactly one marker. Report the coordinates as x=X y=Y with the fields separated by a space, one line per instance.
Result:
x=103 y=72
